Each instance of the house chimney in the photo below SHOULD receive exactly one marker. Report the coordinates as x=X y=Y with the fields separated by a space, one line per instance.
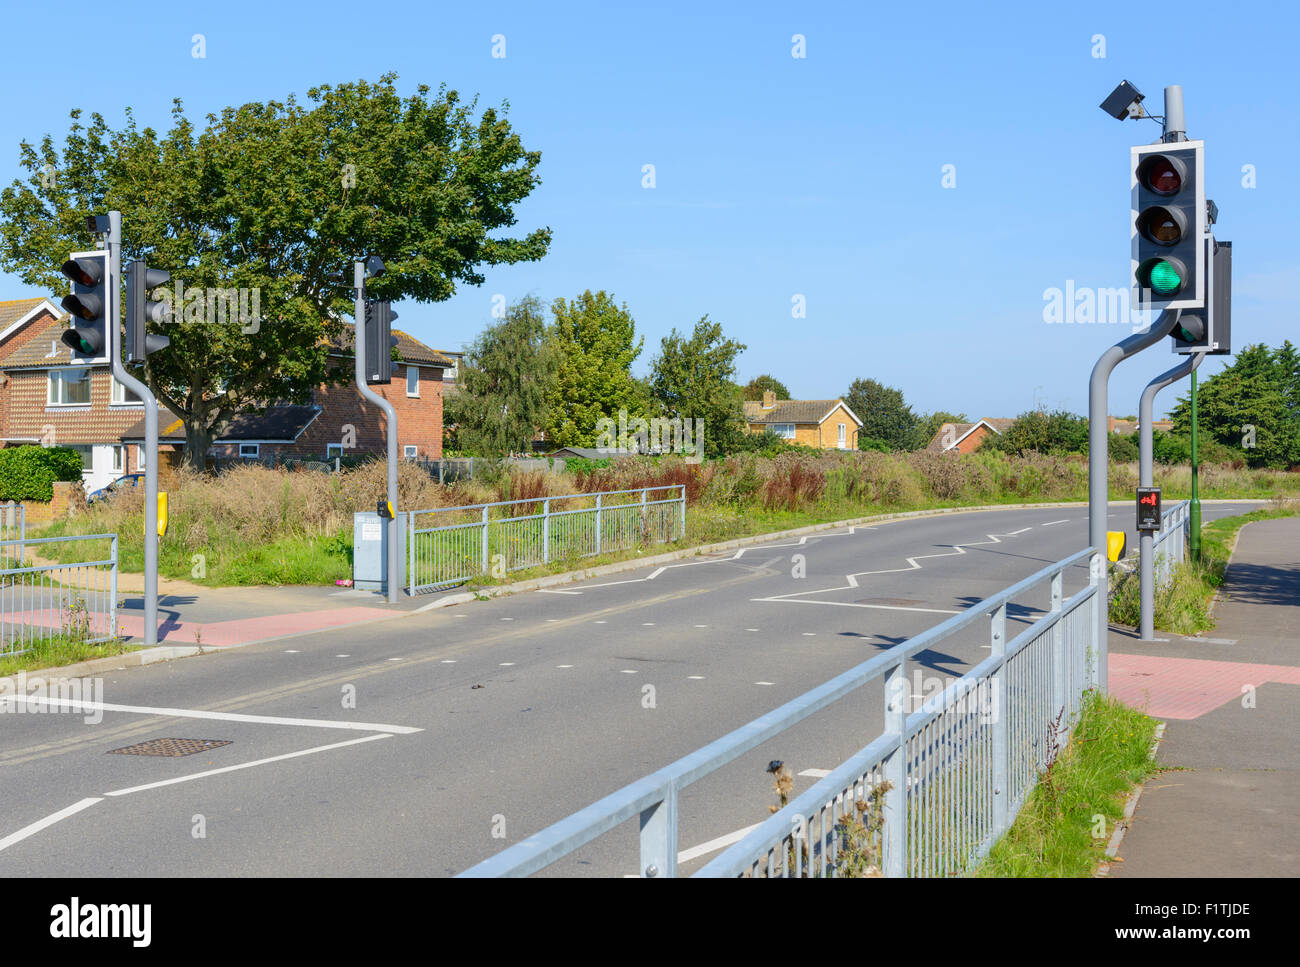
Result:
x=769 y=399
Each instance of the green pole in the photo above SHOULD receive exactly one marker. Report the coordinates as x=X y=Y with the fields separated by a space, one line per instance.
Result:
x=1195 y=509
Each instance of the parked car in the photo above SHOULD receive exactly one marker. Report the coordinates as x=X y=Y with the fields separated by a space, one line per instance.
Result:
x=121 y=483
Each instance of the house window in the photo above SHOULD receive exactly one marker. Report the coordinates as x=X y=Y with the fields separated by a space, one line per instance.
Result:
x=333 y=450
x=410 y=451
x=87 y=454
x=69 y=387
x=842 y=437
x=140 y=462
x=250 y=450
x=413 y=381
x=123 y=396
x=119 y=458
x=784 y=430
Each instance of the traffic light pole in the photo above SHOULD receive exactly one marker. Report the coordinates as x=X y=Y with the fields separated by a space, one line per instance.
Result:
x=114 y=294
x=1099 y=464
x=359 y=353
x=1194 y=511
x=1146 y=471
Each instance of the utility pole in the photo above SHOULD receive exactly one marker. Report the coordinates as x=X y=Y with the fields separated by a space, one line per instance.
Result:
x=371 y=268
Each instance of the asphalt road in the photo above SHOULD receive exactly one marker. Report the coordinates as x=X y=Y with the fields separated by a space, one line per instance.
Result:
x=424 y=744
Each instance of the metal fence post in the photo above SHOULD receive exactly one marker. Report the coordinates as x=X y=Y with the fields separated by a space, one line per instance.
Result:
x=112 y=590
x=894 y=770
x=1001 y=723
x=410 y=552
x=1059 y=659
x=682 y=534
x=546 y=531
x=598 y=516
x=1100 y=623
x=485 y=539
x=644 y=533
x=659 y=837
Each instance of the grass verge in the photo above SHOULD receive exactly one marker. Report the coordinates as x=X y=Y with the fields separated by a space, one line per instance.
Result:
x=1068 y=818
x=1182 y=606
x=59 y=650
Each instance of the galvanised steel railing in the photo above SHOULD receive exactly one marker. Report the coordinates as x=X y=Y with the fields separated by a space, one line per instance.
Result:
x=949 y=778
x=1170 y=545
x=13 y=528
x=450 y=545
x=75 y=600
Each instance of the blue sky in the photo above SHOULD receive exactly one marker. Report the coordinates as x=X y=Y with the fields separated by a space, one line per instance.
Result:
x=778 y=176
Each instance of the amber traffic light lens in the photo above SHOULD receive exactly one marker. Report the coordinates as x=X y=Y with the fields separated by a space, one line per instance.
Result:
x=1161 y=225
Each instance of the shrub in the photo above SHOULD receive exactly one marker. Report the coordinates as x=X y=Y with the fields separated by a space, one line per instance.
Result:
x=29 y=472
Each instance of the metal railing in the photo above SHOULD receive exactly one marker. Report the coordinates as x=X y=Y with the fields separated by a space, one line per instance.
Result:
x=950 y=777
x=450 y=545
x=13 y=529
x=1170 y=544
x=74 y=600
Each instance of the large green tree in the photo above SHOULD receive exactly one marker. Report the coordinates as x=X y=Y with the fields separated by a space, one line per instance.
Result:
x=884 y=413
x=1252 y=407
x=693 y=379
x=276 y=198
x=755 y=388
x=1056 y=433
x=506 y=377
x=597 y=343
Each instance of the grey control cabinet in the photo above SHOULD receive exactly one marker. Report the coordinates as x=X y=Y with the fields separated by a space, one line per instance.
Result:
x=370 y=551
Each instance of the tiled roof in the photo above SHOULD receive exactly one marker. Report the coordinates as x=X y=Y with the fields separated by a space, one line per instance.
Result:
x=789 y=411
x=43 y=348
x=279 y=424
x=14 y=309
x=410 y=349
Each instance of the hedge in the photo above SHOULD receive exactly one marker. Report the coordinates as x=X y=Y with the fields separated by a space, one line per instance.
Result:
x=28 y=473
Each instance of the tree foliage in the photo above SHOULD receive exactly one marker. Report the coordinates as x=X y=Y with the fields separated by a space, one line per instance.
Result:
x=597 y=344
x=755 y=388
x=886 y=417
x=273 y=198
x=930 y=424
x=506 y=378
x=1255 y=401
x=693 y=379
x=1054 y=433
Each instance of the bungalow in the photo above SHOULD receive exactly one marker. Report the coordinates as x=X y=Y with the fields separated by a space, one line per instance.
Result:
x=967 y=437
x=825 y=424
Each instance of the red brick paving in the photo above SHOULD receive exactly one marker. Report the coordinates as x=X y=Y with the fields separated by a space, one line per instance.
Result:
x=1187 y=688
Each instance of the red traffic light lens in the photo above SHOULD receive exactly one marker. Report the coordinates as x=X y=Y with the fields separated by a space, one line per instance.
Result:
x=85 y=272
x=1161 y=225
x=1161 y=174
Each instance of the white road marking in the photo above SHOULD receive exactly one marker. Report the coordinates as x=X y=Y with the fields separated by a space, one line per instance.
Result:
x=506 y=664
x=701 y=626
x=243 y=765
x=189 y=713
x=563 y=666
x=816 y=773
x=292 y=651
x=762 y=683
x=696 y=678
x=342 y=656
x=629 y=671
x=394 y=659
x=449 y=661
x=602 y=622
x=553 y=591
x=751 y=629
x=507 y=619
x=810 y=634
x=48 y=821
x=686 y=855
x=647 y=624
x=912 y=565
x=1052 y=522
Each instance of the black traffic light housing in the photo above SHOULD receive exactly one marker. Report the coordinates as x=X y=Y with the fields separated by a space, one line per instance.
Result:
x=140 y=311
x=1168 y=230
x=87 y=304
x=1209 y=330
x=379 y=342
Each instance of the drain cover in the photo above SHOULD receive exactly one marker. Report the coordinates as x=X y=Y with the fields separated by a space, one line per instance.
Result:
x=170 y=747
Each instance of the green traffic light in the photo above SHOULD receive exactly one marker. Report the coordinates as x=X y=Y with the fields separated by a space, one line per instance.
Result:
x=1164 y=278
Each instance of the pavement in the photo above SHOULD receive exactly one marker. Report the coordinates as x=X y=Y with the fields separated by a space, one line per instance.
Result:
x=426 y=742
x=1226 y=804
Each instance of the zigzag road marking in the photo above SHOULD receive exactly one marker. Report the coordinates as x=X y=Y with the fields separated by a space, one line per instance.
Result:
x=912 y=565
x=717 y=560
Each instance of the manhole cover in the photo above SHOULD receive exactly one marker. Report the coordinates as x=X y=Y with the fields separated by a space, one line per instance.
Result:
x=170 y=747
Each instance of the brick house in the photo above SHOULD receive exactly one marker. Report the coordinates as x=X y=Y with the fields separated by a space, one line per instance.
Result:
x=825 y=424
x=46 y=397
x=967 y=437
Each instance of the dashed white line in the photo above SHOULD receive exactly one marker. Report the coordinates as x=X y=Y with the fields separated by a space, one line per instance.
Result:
x=342 y=656
x=686 y=855
x=762 y=683
x=647 y=624
x=696 y=678
x=449 y=661
x=1052 y=522
x=563 y=666
x=628 y=671
x=816 y=773
x=292 y=651
x=506 y=664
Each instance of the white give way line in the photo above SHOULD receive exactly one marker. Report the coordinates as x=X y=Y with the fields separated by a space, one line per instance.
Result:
x=913 y=564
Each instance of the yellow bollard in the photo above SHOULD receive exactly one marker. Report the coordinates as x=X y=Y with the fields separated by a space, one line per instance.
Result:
x=1115 y=544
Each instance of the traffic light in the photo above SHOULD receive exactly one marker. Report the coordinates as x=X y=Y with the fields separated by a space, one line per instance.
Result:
x=379 y=342
x=140 y=311
x=88 y=305
x=1168 y=225
x=1209 y=330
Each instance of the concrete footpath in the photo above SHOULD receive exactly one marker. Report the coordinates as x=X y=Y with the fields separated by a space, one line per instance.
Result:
x=1229 y=804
